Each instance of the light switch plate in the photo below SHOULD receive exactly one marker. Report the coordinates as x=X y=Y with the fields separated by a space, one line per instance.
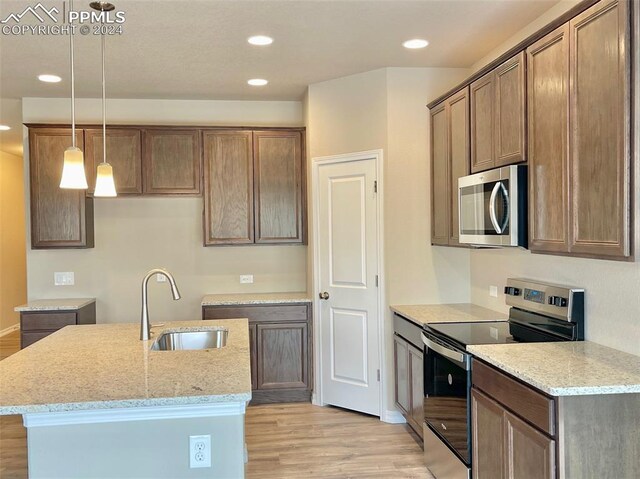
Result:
x=493 y=291
x=64 y=278
x=246 y=278
x=160 y=278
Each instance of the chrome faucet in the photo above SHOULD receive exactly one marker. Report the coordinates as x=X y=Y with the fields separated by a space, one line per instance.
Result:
x=145 y=326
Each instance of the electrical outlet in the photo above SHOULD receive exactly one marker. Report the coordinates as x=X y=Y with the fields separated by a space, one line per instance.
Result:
x=246 y=278
x=160 y=278
x=64 y=279
x=493 y=291
x=199 y=451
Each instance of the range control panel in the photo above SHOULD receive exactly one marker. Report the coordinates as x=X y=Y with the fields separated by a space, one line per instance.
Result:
x=562 y=302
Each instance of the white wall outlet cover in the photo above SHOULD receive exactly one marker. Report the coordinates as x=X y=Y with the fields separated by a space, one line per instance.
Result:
x=160 y=278
x=199 y=451
x=64 y=278
x=246 y=278
x=493 y=291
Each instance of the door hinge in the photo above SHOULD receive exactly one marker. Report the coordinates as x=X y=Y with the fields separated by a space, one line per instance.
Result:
x=375 y=186
x=376 y=280
x=378 y=375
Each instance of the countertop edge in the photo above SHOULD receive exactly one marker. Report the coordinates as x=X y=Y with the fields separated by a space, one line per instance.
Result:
x=82 y=302
x=126 y=403
x=255 y=301
x=557 y=391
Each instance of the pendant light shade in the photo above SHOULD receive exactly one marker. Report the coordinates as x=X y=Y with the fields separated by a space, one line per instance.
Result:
x=105 y=186
x=73 y=175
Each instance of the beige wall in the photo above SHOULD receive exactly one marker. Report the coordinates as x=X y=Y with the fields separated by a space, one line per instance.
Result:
x=550 y=15
x=385 y=109
x=13 y=269
x=134 y=235
x=612 y=288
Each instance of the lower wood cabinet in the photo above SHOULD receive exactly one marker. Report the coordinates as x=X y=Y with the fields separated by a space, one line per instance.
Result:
x=408 y=368
x=280 y=348
x=519 y=432
x=35 y=325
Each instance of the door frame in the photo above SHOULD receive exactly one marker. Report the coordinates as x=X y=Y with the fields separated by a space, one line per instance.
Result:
x=378 y=157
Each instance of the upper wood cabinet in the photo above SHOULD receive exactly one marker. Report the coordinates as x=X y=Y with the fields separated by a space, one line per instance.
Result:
x=228 y=186
x=172 y=161
x=278 y=180
x=599 y=163
x=579 y=136
x=254 y=187
x=498 y=116
x=548 y=136
x=60 y=218
x=124 y=153
x=449 y=162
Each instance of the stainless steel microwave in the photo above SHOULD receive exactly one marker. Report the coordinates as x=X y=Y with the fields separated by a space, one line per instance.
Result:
x=493 y=207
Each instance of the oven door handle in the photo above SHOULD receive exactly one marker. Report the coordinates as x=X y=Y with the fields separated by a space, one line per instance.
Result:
x=456 y=356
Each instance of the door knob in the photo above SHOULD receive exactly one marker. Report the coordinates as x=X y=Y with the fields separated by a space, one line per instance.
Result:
x=324 y=295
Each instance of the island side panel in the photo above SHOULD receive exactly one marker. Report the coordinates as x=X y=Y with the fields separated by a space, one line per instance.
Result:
x=143 y=449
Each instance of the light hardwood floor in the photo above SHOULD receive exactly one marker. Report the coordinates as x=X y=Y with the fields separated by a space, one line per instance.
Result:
x=284 y=441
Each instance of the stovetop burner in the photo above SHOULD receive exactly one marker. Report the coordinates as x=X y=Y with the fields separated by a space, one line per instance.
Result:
x=464 y=334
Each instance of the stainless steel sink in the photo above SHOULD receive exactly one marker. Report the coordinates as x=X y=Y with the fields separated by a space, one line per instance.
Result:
x=191 y=340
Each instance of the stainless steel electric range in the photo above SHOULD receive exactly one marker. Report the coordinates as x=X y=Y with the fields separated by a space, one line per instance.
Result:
x=540 y=312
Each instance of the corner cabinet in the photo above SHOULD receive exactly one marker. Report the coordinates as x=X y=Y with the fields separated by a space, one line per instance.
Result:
x=449 y=161
x=254 y=187
x=579 y=136
x=60 y=218
x=498 y=116
x=280 y=349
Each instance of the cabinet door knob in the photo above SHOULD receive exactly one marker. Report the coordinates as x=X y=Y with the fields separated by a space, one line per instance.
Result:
x=324 y=295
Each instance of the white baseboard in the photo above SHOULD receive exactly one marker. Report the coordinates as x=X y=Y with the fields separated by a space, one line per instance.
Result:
x=10 y=329
x=393 y=417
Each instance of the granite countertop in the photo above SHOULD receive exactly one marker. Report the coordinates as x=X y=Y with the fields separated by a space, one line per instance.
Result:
x=66 y=304
x=447 y=313
x=254 y=298
x=107 y=366
x=572 y=368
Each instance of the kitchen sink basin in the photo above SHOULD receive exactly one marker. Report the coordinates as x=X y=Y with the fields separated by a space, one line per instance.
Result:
x=191 y=340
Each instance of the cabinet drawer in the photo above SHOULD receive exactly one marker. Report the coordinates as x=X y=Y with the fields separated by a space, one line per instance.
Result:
x=257 y=313
x=46 y=321
x=27 y=339
x=529 y=404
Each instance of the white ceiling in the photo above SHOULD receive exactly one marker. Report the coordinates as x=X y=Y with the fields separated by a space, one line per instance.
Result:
x=196 y=49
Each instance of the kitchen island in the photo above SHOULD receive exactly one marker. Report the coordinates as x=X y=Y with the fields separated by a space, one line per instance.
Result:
x=98 y=402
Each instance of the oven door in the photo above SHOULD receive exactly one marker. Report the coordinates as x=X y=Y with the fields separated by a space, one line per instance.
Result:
x=489 y=208
x=447 y=383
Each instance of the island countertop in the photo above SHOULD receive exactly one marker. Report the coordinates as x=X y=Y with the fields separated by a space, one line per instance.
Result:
x=235 y=299
x=447 y=313
x=571 y=368
x=107 y=366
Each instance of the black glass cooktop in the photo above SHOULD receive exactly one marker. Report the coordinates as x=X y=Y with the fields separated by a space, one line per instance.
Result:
x=465 y=334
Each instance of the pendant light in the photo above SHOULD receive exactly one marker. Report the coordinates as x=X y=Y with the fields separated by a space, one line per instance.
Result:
x=105 y=186
x=73 y=174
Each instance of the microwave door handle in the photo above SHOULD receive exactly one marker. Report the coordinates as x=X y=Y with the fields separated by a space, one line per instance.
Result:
x=507 y=211
x=492 y=207
x=446 y=352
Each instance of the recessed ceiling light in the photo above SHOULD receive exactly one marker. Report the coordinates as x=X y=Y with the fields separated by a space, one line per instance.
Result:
x=260 y=40
x=415 y=43
x=49 y=78
x=4 y=127
x=257 y=82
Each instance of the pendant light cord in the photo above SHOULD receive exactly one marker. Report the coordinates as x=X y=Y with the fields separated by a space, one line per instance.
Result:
x=104 y=105
x=73 y=83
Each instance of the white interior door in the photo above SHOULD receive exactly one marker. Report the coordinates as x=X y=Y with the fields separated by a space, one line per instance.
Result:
x=348 y=268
